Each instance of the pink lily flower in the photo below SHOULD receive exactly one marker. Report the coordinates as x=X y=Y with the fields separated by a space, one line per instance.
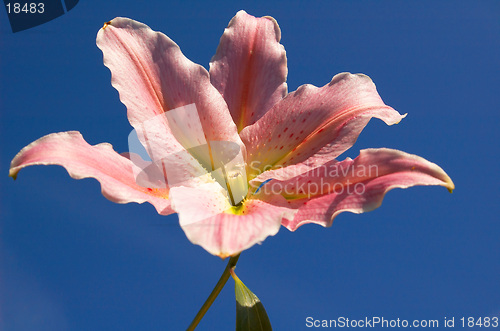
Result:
x=289 y=142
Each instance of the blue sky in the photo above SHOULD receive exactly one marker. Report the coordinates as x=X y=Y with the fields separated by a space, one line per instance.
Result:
x=72 y=260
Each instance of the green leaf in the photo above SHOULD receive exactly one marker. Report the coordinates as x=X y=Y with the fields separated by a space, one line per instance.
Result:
x=250 y=313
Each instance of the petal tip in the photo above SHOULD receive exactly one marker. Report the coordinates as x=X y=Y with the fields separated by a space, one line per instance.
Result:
x=450 y=185
x=402 y=116
x=277 y=30
x=13 y=174
x=106 y=24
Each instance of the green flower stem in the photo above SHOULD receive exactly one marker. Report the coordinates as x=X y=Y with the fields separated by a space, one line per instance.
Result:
x=215 y=292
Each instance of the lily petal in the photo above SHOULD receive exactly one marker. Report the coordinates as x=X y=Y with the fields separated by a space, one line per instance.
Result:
x=357 y=185
x=211 y=222
x=114 y=172
x=152 y=76
x=249 y=68
x=320 y=122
